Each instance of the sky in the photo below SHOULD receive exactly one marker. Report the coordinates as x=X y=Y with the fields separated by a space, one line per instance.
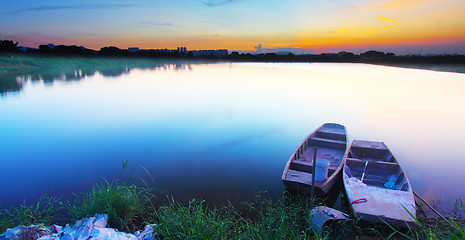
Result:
x=303 y=26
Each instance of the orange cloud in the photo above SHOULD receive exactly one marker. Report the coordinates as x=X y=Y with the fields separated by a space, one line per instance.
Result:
x=404 y=4
x=388 y=19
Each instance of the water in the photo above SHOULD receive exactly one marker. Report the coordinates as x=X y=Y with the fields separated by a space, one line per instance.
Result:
x=222 y=131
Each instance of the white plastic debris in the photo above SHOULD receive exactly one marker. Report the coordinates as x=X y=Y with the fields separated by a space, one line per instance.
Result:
x=356 y=181
x=94 y=228
x=26 y=232
x=147 y=234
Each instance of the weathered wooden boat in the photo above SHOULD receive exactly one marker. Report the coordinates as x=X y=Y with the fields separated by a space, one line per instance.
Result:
x=376 y=186
x=330 y=142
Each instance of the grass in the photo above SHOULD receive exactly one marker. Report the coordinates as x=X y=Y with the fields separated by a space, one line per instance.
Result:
x=25 y=64
x=127 y=206
x=49 y=69
x=195 y=221
x=285 y=219
x=16 y=70
x=437 y=229
x=130 y=208
x=46 y=210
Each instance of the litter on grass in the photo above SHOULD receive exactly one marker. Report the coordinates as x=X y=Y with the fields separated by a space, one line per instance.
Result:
x=87 y=228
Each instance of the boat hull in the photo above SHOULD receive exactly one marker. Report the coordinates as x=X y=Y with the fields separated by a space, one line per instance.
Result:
x=376 y=186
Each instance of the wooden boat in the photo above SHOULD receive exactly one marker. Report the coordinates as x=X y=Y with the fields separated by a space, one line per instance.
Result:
x=330 y=140
x=376 y=186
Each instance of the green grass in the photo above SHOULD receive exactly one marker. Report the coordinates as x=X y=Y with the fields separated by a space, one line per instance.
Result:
x=127 y=205
x=46 y=210
x=285 y=219
x=69 y=68
x=427 y=229
x=129 y=208
x=32 y=63
x=16 y=70
x=195 y=221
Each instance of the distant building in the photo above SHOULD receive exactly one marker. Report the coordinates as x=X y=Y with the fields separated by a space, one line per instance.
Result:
x=220 y=52
x=182 y=49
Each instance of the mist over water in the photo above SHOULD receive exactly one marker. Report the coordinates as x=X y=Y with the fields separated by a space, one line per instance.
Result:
x=221 y=131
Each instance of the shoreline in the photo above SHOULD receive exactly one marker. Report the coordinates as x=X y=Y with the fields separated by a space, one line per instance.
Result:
x=130 y=208
x=14 y=71
x=24 y=61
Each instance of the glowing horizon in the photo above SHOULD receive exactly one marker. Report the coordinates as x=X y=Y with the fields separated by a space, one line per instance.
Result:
x=389 y=25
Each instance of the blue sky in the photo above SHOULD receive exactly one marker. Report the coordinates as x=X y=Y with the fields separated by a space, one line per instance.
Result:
x=400 y=26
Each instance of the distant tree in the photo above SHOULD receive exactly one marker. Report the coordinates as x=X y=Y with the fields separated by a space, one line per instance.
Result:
x=390 y=54
x=234 y=54
x=373 y=54
x=345 y=54
x=44 y=49
x=67 y=50
x=110 y=51
x=8 y=46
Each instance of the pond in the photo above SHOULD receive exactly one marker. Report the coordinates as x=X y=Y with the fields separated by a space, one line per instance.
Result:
x=221 y=131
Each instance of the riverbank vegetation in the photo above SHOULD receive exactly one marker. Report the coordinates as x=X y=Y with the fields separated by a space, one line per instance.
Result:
x=54 y=65
x=15 y=70
x=130 y=208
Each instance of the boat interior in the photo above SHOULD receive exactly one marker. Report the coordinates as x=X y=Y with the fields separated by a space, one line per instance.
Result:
x=374 y=165
x=330 y=144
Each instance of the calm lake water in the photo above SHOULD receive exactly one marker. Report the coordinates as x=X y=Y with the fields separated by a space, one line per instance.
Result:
x=222 y=131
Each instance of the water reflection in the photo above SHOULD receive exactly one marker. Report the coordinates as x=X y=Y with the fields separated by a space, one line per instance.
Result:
x=14 y=82
x=223 y=131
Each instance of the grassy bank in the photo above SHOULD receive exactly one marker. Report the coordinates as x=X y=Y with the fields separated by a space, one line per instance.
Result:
x=15 y=69
x=28 y=64
x=130 y=208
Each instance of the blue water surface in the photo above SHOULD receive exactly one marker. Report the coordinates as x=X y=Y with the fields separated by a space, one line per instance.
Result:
x=222 y=131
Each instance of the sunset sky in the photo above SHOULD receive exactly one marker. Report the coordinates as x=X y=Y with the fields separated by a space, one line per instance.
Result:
x=399 y=26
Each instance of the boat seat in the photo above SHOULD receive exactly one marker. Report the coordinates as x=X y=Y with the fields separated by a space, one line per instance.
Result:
x=301 y=165
x=327 y=143
x=300 y=177
x=367 y=153
x=322 y=133
x=305 y=166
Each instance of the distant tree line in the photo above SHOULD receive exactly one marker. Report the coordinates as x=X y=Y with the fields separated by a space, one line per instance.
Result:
x=348 y=57
x=8 y=46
